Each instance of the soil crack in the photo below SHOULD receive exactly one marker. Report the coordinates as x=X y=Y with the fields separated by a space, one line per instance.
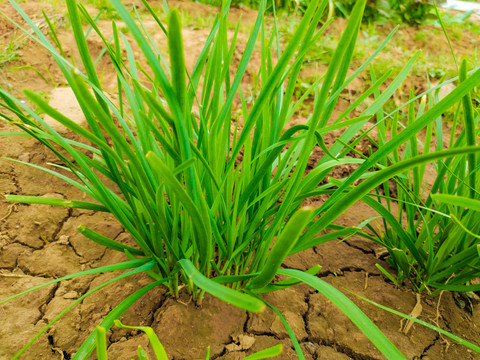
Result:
x=305 y=315
x=42 y=308
x=363 y=250
x=60 y=224
x=55 y=349
x=352 y=269
x=346 y=350
x=429 y=346
x=245 y=325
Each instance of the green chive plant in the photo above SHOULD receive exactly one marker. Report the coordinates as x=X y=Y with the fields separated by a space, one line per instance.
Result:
x=433 y=240
x=211 y=209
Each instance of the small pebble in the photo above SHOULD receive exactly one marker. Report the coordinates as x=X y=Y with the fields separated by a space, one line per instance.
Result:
x=64 y=239
x=71 y=295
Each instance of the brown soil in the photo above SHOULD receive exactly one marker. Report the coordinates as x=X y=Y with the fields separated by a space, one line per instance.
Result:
x=39 y=243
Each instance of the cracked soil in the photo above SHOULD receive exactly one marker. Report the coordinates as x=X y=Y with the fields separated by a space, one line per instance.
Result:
x=39 y=243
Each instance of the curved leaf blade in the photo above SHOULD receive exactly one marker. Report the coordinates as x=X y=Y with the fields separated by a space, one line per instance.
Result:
x=228 y=295
x=349 y=308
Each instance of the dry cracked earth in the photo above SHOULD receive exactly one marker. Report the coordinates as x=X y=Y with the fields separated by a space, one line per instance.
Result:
x=39 y=243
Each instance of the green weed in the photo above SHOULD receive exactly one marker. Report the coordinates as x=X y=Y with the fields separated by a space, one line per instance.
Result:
x=9 y=53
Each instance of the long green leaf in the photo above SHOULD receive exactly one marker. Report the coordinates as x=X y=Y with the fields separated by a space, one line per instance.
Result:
x=282 y=246
x=357 y=193
x=266 y=353
x=157 y=347
x=349 y=308
x=56 y=202
x=411 y=130
x=101 y=343
x=140 y=269
x=108 y=268
x=103 y=240
x=177 y=57
x=469 y=122
x=228 y=295
x=460 y=201
x=430 y=326
x=89 y=344
x=201 y=224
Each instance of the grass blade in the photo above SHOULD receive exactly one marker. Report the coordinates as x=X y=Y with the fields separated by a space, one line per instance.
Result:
x=228 y=295
x=282 y=246
x=469 y=122
x=157 y=347
x=101 y=343
x=351 y=310
x=430 y=326
x=460 y=201
x=120 y=266
x=74 y=204
x=112 y=244
x=177 y=57
x=266 y=353
x=89 y=344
